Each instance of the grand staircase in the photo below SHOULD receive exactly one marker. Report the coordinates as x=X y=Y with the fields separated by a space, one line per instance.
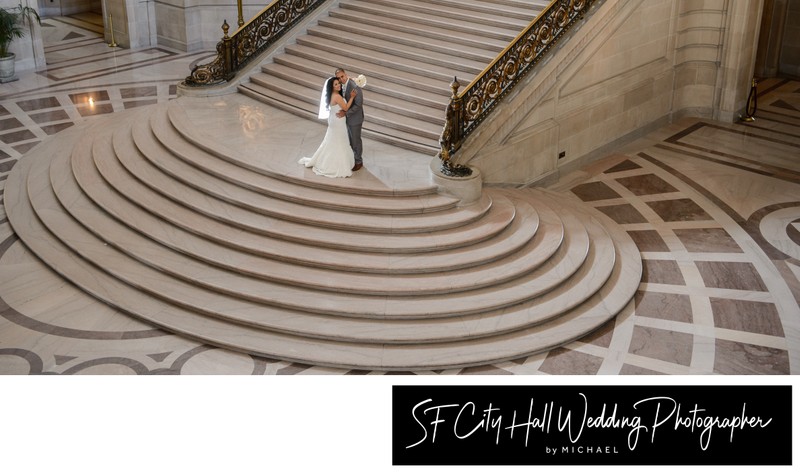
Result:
x=235 y=244
x=409 y=50
x=150 y=215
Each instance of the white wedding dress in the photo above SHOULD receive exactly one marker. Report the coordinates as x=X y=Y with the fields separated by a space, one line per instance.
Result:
x=334 y=157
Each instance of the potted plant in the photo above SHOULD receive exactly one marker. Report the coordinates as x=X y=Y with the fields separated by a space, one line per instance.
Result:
x=12 y=22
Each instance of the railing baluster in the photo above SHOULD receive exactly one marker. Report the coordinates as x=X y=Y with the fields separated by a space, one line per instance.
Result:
x=473 y=105
x=250 y=40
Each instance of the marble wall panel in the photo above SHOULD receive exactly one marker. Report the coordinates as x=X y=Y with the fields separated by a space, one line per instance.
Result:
x=532 y=153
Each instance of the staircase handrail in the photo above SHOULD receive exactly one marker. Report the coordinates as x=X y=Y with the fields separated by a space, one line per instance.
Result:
x=467 y=109
x=250 y=40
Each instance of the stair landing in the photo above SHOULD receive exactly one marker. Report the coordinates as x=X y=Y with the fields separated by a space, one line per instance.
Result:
x=194 y=216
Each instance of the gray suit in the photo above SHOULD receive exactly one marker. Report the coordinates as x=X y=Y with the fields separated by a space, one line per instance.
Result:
x=355 y=118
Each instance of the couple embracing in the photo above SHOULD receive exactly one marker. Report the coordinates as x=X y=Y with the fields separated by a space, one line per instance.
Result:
x=341 y=103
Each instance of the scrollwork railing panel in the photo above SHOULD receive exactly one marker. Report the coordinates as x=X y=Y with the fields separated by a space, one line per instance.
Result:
x=250 y=40
x=478 y=99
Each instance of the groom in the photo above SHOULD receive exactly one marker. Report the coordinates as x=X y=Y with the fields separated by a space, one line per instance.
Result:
x=355 y=115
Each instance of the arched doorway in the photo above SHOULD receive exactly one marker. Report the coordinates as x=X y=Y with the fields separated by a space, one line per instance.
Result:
x=71 y=29
x=779 y=40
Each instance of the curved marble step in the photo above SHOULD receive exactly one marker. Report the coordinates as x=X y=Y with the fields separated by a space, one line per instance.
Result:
x=569 y=293
x=174 y=198
x=510 y=267
x=177 y=227
x=420 y=143
x=281 y=169
x=223 y=245
x=595 y=312
x=133 y=243
x=57 y=174
x=279 y=198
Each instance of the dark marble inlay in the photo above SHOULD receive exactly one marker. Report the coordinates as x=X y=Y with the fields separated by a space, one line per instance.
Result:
x=3 y=154
x=173 y=89
x=133 y=92
x=6 y=166
x=648 y=240
x=10 y=124
x=592 y=191
x=665 y=306
x=97 y=109
x=785 y=104
x=38 y=104
x=751 y=225
x=63 y=359
x=519 y=361
x=53 y=129
x=793 y=233
x=25 y=147
x=35 y=363
x=679 y=210
x=662 y=272
x=52 y=116
x=17 y=136
x=767 y=171
x=736 y=131
x=647 y=184
x=84 y=98
x=73 y=35
x=564 y=361
x=636 y=370
x=626 y=165
x=485 y=369
x=4 y=111
x=623 y=213
x=123 y=364
x=13 y=316
x=665 y=345
x=294 y=368
x=747 y=316
x=730 y=275
x=602 y=336
x=159 y=357
x=707 y=240
x=744 y=358
x=358 y=372
x=139 y=103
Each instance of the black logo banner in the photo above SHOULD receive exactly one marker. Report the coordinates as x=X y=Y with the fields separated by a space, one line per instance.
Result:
x=591 y=425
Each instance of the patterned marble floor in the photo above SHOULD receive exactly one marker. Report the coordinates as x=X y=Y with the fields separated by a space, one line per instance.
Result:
x=714 y=208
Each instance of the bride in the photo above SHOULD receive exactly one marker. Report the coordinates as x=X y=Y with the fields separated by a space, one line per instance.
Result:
x=334 y=157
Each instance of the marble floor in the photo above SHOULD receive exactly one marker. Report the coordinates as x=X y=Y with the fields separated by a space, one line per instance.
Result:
x=713 y=207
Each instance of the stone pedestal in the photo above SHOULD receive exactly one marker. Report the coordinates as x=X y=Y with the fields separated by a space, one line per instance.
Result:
x=467 y=188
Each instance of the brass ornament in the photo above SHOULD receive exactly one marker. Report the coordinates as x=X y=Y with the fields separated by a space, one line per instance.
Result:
x=250 y=40
x=481 y=96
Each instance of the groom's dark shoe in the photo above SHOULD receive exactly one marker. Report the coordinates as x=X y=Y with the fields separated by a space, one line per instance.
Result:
x=357 y=166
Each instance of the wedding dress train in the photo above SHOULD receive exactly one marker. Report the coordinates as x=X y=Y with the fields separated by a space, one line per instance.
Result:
x=334 y=157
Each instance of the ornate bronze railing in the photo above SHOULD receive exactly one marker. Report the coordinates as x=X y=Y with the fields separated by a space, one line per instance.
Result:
x=469 y=108
x=250 y=40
